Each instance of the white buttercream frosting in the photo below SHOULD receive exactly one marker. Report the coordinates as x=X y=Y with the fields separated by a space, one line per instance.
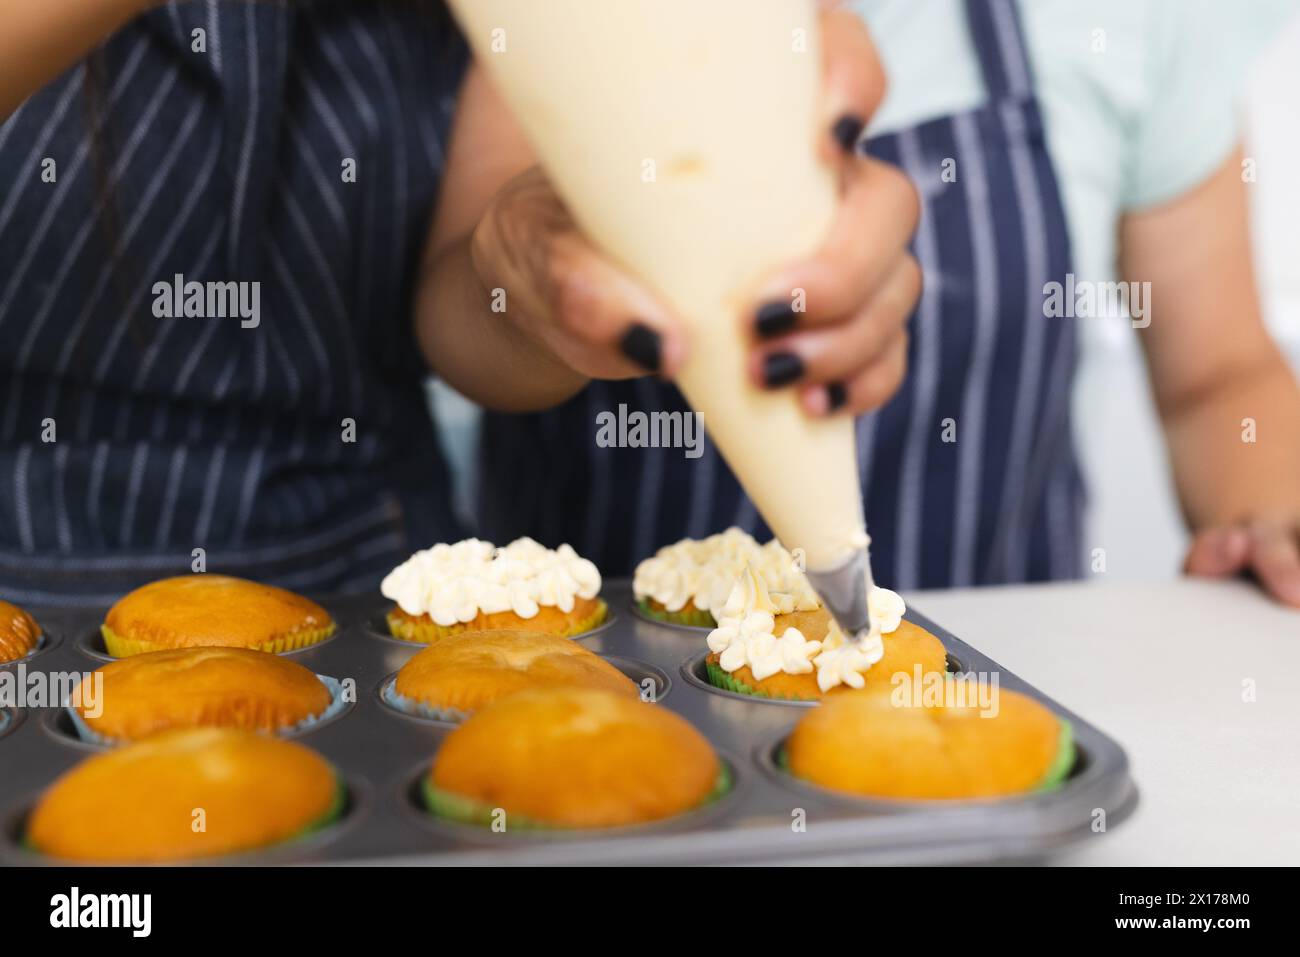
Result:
x=746 y=636
x=454 y=583
x=704 y=571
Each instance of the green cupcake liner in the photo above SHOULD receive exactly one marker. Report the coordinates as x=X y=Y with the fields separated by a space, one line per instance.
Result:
x=463 y=810
x=1063 y=763
x=692 y=619
x=334 y=812
x=720 y=679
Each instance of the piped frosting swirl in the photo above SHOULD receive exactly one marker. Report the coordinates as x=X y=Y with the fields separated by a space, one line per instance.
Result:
x=746 y=637
x=703 y=572
x=455 y=583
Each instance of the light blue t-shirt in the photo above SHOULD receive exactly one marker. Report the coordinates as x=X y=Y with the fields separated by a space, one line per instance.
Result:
x=1138 y=97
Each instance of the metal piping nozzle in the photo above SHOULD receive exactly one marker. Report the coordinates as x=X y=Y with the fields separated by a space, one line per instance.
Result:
x=844 y=591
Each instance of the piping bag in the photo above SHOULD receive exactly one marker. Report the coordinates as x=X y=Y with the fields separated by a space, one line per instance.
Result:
x=682 y=135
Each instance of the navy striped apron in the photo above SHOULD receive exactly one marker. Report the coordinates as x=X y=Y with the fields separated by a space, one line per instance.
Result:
x=299 y=451
x=1001 y=503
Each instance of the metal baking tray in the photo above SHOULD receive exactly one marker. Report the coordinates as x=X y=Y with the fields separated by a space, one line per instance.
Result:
x=381 y=753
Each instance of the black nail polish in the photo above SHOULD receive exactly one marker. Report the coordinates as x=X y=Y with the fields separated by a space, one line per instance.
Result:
x=847 y=131
x=643 y=346
x=774 y=319
x=836 y=396
x=781 y=368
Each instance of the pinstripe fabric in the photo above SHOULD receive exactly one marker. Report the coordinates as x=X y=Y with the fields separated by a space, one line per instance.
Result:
x=1001 y=504
x=224 y=165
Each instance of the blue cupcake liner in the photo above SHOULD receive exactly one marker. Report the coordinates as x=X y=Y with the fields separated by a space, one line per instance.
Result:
x=42 y=642
x=418 y=709
x=336 y=706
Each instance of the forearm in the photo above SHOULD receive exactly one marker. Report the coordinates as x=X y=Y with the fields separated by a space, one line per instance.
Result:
x=1236 y=448
x=1229 y=403
x=475 y=350
x=42 y=38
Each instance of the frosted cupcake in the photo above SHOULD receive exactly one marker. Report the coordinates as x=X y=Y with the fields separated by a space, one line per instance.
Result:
x=766 y=646
x=688 y=583
x=475 y=586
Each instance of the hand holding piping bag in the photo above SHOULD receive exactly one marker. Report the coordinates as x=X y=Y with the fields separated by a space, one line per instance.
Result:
x=845 y=352
x=846 y=349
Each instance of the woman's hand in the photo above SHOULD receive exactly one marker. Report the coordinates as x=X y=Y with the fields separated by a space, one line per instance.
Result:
x=565 y=295
x=845 y=351
x=1268 y=550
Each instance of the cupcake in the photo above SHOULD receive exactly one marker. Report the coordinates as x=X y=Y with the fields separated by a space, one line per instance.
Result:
x=185 y=794
x=572 y=758
x=475 y=586
x=19 y=633
x=765 y=646
x=201 y=687
x=462 y=673
x=200 y=611
x=870 y=744
x=688 y=583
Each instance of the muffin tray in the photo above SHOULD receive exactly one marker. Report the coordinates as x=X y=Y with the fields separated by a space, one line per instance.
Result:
x=767 y=817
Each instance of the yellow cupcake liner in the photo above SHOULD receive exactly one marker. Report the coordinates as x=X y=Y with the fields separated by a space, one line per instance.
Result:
x=426 y=632
x=120 y=646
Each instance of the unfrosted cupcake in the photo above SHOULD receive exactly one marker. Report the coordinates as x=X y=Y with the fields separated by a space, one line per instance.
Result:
x=572 y=758
x=201 y=687
x=870 y=744
x=19 y=633
x=475 y=586
x=204 y=611
x=141 y=803
x=764 y=646
x=688 y=583
x=464 y=673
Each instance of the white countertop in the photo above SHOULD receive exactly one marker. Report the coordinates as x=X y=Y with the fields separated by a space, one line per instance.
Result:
x=1162 y=668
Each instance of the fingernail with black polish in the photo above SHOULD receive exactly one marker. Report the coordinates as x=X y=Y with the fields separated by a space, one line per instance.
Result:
x=643 y=346
x=781 y=368
x=774 y=318
x=836 y=396
x=847 y=131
